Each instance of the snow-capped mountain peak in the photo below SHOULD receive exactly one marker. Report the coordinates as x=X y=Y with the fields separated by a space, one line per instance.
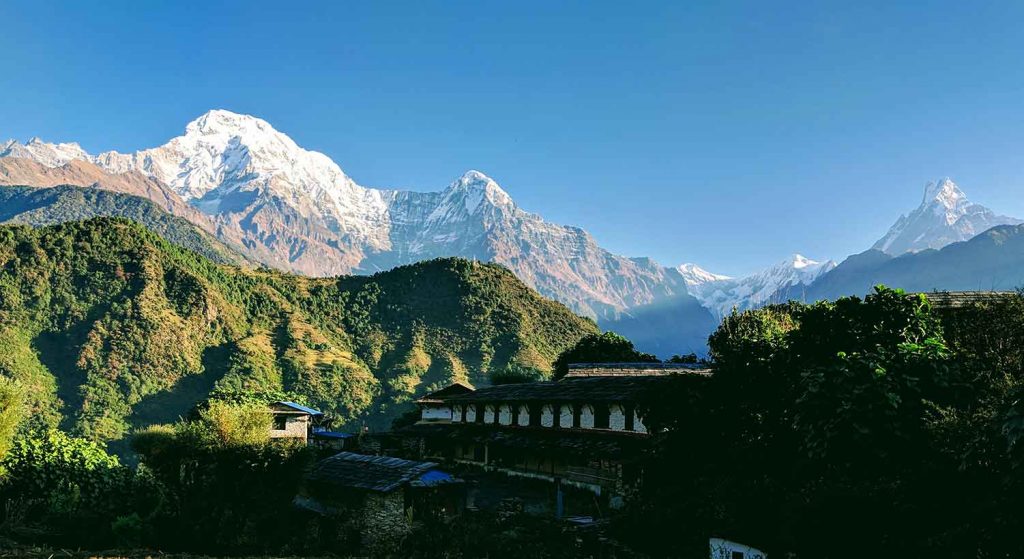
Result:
x=695 y=275
x=945 y=216
x=51 y=155
x=760 y=288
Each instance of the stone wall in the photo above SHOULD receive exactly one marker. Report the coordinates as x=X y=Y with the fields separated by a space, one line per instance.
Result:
x=295 y=427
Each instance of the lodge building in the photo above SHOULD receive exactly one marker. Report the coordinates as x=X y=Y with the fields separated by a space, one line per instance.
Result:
x=577 y=440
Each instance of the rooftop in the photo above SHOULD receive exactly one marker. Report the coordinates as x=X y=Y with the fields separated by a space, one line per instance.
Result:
x=631 y=369
x=439 y=396
x=372 y=473
x=958 y=299
x=292 y=406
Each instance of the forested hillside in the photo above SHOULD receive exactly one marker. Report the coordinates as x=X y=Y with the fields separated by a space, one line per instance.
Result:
x=49 y=206
x=109 y=326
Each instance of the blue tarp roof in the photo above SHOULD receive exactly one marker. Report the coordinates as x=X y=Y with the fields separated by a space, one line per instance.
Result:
x=301 y=408
x=433 y=477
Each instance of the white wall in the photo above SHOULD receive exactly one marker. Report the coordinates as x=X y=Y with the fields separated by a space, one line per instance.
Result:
x=565 y=416
x=524 y=416
x=435 y=413
x=505 y=414
x=457 y=414
x=547 y=416
x=489 y=414
x=587 y=417
x=616 y=418
x=471 y=413
x=638 y=424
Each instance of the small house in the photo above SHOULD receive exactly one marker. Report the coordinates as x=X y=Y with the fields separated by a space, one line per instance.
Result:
x=293 y=421
x=380 y=495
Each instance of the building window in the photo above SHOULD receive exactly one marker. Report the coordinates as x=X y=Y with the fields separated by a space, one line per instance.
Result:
x=601 y=416
x=280 y=422
x=534 y=413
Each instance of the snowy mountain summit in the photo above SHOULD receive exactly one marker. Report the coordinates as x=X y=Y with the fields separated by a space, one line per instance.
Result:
x=945 y=216
x=720 y=294
x=296 y=210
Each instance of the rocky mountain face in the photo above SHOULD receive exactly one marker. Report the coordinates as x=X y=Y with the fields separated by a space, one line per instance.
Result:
x=296 y=210
x=945 y=216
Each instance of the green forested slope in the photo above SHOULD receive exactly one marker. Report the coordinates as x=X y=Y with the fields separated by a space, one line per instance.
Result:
x=49 y=206
x=107 y=325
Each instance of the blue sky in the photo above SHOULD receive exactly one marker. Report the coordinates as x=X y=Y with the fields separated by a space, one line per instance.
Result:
x=730 y=134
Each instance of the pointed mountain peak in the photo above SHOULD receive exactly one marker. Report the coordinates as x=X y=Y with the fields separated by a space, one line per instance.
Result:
x=944 y=192
x=695 y=275
x=799 y=261
x=220 y=121
x=945 y=216
x=474 y=181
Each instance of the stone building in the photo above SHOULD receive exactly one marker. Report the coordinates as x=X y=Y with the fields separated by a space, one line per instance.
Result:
x=573 y=444
x=293 y=421
x=379 y=496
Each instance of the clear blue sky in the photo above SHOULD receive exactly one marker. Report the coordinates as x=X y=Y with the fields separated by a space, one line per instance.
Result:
x=725 y=133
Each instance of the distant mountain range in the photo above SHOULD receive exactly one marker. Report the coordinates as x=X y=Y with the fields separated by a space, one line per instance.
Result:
x=259 y=192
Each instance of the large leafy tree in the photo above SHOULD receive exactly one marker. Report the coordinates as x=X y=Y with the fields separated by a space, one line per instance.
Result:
x=817 y=424
x=607 y=347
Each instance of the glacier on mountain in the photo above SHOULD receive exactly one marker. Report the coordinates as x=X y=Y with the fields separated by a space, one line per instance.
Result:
x=721 y=294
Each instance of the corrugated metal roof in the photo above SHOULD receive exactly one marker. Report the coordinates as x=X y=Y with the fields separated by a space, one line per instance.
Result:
x=370 y=473
x=299 y=407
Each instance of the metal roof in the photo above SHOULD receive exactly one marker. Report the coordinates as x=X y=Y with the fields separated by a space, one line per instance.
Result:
x=298 y=407
x=370 y=473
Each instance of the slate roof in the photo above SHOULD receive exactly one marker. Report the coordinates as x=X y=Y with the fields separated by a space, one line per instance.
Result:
x=370 y=473
x=631 y=369
x=438 y=396
x=298 y=408
x=623 y=388
x=958 y=299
